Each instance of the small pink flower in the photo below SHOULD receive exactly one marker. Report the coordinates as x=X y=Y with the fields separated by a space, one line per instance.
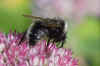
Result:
x=12 y=54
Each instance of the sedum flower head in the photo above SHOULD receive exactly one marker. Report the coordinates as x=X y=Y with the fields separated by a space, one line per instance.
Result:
x=12 y=54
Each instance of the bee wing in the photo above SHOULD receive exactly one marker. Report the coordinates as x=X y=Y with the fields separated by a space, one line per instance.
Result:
x=52 y=25
x=34 y=17
x=46 y=20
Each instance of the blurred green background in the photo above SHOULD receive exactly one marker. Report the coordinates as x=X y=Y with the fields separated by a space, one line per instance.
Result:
x=84 y=38
x=11 y=12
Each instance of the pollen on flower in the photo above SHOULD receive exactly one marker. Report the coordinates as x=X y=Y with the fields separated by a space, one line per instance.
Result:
x=12 y=54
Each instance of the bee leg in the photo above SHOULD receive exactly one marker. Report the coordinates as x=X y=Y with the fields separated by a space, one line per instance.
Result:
x=62 y=44
x=53 y=41
x=48 y=42
x=23 y=37
x=63 y=39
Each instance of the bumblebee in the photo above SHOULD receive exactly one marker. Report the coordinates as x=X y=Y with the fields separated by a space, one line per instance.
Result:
x=52 y=29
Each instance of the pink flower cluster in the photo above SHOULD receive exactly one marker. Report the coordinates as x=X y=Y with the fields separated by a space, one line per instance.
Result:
x=12 y=54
